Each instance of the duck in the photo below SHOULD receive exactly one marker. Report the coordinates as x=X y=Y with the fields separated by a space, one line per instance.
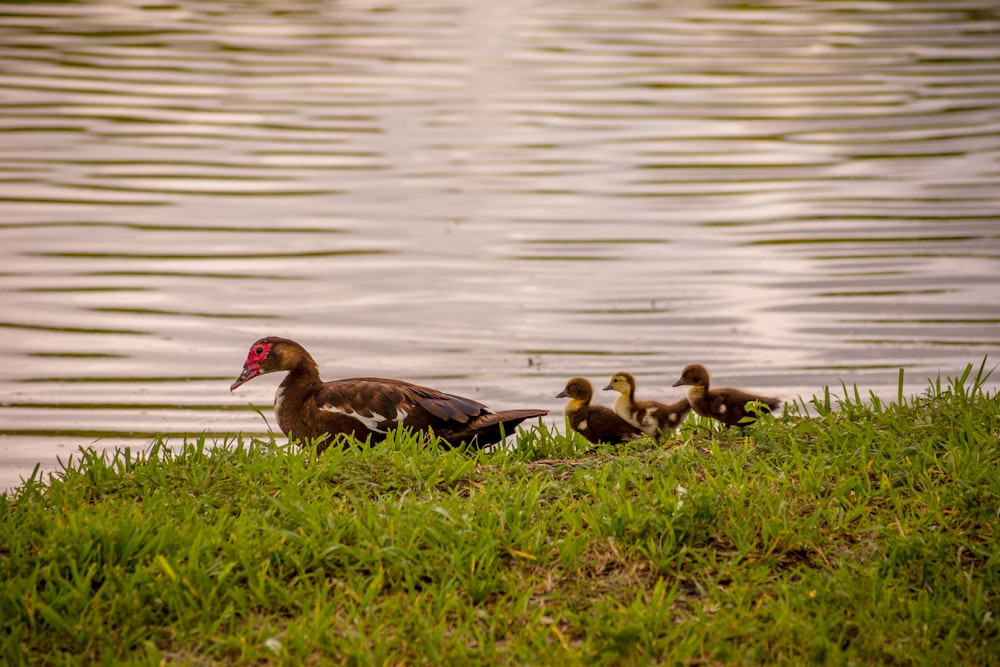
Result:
x=726 y=405
x=651 y=417
x=311 y=410
x=596 y=423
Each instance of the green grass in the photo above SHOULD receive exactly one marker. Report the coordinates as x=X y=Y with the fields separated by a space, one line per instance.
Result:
x=859 y=532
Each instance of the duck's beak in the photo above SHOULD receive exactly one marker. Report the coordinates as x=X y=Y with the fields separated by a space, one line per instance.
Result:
x=607 y=388
x=678 y=383
x=250 y=371
x=562 y=394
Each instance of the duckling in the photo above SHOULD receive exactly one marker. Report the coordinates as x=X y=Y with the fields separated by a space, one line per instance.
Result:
x=726 y=405
x=594 y=422
x=651 y=417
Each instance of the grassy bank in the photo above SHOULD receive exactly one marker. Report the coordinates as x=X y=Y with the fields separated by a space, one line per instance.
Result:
x=864 y=533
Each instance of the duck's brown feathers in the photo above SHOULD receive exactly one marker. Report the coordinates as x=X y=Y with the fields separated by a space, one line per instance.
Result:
x=596 y=423
x=726 y=405
x=651 y=417
x=308 y=408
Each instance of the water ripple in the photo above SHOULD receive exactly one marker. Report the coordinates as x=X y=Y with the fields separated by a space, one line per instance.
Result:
x=492 y=197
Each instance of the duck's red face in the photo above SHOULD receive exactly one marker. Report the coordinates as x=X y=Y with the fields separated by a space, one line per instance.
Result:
x=251 y=367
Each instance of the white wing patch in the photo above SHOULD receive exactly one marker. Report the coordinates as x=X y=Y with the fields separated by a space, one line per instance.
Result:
x=278 y=396
x=582 y=426
x=722 y=409
x=372 y=422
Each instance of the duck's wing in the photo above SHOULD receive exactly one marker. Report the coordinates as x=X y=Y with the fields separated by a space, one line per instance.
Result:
x=730 y=404
x=657 y=415
x=600 y=424
x=382 y=404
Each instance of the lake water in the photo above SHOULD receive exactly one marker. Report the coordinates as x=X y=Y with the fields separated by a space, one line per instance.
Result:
x=487 y=197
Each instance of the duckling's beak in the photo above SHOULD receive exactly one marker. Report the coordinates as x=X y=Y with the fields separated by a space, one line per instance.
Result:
x=607 y=388
x=250 y=371
x=678 y=383
x=562 y=394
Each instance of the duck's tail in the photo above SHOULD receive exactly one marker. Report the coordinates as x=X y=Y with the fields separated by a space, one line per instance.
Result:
x=488 y=428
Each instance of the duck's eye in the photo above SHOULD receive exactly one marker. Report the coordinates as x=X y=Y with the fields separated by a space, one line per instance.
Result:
x=259 y=350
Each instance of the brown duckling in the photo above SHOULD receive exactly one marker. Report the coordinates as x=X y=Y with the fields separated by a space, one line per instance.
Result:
x=309 y=408
x=726 y=405
x=651 y=417
x=594 y=422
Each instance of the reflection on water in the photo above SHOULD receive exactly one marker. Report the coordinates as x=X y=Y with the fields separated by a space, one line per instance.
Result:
x=487 y=197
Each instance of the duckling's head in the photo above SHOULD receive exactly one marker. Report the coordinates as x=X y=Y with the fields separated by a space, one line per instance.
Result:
x=579 y=389
x=695 y=375
x=623 y=383
x=269 y=354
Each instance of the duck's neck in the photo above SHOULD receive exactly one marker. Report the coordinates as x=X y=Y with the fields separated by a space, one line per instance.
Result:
x=697 y=393
x=303 y=377
x=625 y=403
x=575 y=404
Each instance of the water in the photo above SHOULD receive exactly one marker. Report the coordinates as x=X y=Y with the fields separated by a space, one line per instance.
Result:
x=485 y=197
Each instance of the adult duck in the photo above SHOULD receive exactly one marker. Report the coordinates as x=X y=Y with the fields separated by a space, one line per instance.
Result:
x=726 y=405
x=596 y=423
x=308 y=408
x=651 y=417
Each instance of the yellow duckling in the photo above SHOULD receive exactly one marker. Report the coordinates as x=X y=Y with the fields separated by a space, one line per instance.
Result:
x=727 y=405
x=594 y=422
x=651 y=417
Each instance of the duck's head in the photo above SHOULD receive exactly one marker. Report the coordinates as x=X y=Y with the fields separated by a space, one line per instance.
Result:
x=579 y=389
x=623 y=383
x=695 y=375
x=267 y=355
